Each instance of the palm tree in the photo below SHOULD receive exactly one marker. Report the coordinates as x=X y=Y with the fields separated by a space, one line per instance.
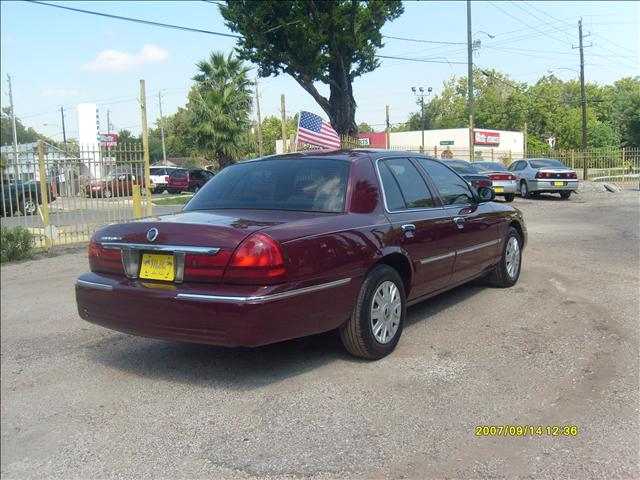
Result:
x=220 y=103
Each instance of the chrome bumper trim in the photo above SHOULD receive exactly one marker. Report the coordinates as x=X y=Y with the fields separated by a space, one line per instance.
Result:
x=161 y=248
x=94 y=285
x=260 y=298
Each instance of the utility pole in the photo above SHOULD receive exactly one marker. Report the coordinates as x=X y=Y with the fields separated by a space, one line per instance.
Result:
x=64 y=131
x=164 y=150
x=108 y=122
x=283 y=119
x=260 y=144
x=470 y=81
x=387 y=129
x=15 y=132
x=145 y=147
x=583 y=93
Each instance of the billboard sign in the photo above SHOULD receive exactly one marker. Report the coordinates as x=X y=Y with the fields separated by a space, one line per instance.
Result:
x=486 y=138
x=108 y=139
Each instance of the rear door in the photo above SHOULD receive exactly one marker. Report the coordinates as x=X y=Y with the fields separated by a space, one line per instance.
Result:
x=476 y=242
x=421 y=227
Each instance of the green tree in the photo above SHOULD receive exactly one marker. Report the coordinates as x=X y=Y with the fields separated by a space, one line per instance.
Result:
x=23 y=134
x=219 y=107
x=330 y=42
x=364 y=127
x=625 y=110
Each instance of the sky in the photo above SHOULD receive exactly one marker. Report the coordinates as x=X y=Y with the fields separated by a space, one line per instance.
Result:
x=61 y=58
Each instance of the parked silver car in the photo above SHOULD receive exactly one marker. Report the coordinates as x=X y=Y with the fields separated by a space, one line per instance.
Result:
x=544 y=175
x=505 y=183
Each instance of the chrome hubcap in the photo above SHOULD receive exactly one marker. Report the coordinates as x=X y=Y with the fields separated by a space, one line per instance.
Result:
x=512 y=257
x=30 y=207
x=386 y=310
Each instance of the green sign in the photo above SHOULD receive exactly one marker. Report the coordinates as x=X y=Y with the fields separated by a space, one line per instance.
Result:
x=446 y=142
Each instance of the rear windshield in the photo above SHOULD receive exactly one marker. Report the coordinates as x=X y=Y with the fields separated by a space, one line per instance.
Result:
x=461 y=167
x=315 y=185
x=546 y=164
x=489 y=167
x=157 y=171
x=179 y=173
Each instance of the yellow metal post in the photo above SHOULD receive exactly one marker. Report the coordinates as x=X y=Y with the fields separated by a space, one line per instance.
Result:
x=145 y=146
x=44 y=208
x=137 y=204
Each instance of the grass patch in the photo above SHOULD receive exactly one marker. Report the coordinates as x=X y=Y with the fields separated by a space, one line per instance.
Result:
x=15 y=244
x=181 y=200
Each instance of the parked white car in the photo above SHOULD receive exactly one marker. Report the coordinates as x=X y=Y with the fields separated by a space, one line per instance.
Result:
x=544 y=175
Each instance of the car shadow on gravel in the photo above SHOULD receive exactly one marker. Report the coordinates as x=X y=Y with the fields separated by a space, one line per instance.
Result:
x=243 y=368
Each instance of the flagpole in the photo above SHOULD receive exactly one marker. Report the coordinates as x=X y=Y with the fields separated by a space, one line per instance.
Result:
x=298 y=128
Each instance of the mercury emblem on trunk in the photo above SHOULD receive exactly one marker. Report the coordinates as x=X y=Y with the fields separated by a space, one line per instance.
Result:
x=152 y=234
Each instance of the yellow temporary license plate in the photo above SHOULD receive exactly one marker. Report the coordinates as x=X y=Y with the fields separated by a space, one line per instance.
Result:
x=157 y=267
x=558 y=184
x=498 y=189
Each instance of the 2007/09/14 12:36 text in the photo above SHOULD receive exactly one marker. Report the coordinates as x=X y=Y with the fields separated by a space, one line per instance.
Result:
x=526 y=431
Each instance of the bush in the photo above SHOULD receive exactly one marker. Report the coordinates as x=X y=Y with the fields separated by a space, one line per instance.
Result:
x=15 y=244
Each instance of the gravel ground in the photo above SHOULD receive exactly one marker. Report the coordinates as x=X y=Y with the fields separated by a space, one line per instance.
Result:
x=559 y=348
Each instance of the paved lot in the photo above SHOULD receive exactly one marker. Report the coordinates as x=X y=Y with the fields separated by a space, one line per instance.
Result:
x=560 y=348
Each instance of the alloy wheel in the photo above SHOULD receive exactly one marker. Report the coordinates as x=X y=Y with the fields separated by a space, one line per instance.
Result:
x=512 y=257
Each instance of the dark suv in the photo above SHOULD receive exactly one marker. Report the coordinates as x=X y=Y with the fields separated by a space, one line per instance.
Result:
x=188 y=180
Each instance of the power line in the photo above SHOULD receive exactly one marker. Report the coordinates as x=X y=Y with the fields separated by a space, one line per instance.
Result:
x=523 y=22
x=426 y=60
x=423 y=41
x=137 y=20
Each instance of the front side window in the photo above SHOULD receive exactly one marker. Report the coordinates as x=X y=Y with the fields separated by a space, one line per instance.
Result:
x=304 y=184
x=403 y=185
x=452 y=188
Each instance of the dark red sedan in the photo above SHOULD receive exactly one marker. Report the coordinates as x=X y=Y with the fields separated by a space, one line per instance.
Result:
x=298 y=244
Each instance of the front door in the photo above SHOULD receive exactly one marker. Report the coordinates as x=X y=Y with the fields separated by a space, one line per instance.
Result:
x=476 y=241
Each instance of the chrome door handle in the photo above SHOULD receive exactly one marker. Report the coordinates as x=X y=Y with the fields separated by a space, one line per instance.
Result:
x=409 y=229
x=459 y=221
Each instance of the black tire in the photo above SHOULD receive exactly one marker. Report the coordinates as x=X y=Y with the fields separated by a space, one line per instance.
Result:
x=565 y=195
x=524 y=190
x=357 y=333
x=508 y=197
x=171 y=191
x=500 y=276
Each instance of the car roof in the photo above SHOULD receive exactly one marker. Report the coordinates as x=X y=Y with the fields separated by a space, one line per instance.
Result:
x=348 y=155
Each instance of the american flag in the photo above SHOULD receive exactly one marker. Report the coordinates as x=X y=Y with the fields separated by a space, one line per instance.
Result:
x=313 y=129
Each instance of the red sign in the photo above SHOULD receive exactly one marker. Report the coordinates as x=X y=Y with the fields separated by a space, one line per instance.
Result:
x=109 y=139
x=486 y=138
x=375 y=140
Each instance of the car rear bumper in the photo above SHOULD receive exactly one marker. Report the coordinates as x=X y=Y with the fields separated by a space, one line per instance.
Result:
x=215 y=314
x=507 y=186
x=549 y=185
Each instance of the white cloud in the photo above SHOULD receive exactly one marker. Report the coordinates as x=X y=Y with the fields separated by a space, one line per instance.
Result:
x=118 y=61
x=58 y=92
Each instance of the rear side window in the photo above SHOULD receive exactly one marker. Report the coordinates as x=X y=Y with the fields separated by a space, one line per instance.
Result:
x=403 y=185
x=453 y=189
x=305 y=184
x=179 y=174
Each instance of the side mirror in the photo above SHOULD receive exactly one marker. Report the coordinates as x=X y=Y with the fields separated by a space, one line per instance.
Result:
x=486 y=194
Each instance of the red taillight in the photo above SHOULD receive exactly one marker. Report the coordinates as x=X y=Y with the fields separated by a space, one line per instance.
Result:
x=205 y=268
x=104 y=259
x=572 y=175
x=502 y=176
x=543 y=175
x=257 y=260
x=484 y=183
x=166 y=179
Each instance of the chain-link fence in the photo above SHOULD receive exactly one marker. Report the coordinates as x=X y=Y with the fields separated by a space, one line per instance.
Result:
x=62 y=195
